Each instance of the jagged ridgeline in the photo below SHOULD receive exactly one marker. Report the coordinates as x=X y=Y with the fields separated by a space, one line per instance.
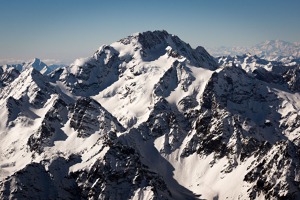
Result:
x=150 y=117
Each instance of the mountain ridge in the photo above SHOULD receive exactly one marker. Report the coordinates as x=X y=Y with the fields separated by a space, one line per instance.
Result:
x=148 y=117
x=270 y=49
x=35 y=63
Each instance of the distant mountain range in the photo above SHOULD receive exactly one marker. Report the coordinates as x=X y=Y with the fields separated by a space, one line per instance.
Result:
x=270 y=49
x=35 y=63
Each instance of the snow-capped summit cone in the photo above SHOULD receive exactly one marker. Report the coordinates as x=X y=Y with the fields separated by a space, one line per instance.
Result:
x=152 y=44
x=37 y=64
x=110 y=61
x=122 y=74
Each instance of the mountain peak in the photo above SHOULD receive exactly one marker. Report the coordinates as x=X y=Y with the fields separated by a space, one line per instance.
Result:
x=153 y=44
x=146 y=39
x=155 y=32
x=36 y=60
x=36 y=63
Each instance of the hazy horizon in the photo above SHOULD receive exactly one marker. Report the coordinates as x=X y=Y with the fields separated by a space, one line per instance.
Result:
x=61 y=31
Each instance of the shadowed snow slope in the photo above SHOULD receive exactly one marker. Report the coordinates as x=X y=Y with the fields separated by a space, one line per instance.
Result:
x=148 y=117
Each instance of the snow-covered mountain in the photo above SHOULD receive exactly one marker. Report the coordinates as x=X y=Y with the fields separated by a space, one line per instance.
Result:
x=37 y=64
x=149 y=117
x=270 y=49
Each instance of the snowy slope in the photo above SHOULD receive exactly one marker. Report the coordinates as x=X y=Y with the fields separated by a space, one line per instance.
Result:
x=148 y=117
x=123 y=76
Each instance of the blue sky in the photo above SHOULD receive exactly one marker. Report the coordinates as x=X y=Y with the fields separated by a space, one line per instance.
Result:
x=67 y=29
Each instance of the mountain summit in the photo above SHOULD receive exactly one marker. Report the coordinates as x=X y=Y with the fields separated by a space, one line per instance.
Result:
x=149 y=117
x=36 y=63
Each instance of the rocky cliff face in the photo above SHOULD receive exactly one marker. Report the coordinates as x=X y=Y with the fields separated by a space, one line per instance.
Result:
x=148 y=117
x=8 y=75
